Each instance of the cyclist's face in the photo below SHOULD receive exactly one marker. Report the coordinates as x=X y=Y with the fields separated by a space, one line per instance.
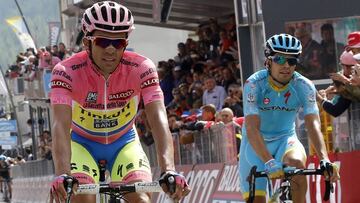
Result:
x=107 y=58
x=281 y=70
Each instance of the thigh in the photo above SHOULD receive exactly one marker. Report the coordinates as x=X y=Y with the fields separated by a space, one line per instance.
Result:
x=83 y=165
x=248 y=159
x=291 y=151
x=131 y=164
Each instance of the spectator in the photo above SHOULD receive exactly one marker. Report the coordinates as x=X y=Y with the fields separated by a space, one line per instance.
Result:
x=213 y=94
x=330 y=48
x=228 y=78
x=29 y=154
x=20 y=159
x=62 y=54
x=234 y=100
x=182 y=58
x=353 y=44
x=331 y=99
x=48 y=61
x=310 y=58
x=208 y=112
x=231 y=127
x=178 y=105
x=166 y=82
x=45 y=145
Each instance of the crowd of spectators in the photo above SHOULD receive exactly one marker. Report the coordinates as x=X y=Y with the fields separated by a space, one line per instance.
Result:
x=346 y=83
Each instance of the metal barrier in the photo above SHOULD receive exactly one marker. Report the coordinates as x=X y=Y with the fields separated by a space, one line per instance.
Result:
x=33 y=169
x=216 y=144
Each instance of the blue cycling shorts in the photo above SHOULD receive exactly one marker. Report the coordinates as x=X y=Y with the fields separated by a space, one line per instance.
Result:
x=125 y=158
x=248 y=158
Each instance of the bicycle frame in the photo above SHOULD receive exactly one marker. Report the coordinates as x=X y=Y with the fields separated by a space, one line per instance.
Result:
x=285 y=189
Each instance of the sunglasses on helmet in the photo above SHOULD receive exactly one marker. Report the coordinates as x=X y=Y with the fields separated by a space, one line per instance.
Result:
x=104 y=42
x=281 y=60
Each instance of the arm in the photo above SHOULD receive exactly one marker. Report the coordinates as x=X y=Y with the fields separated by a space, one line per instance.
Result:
x=162 y=135
x=61 y=150
x=252 y=123
x=312 y=124
x=338 y=108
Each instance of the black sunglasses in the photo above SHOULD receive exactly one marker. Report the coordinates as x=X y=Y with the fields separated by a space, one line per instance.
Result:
x=105 y=42
x=281 y=60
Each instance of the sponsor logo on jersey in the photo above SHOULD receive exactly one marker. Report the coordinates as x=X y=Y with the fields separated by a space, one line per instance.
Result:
x=62 y=74
x=61 y=84
x=266 y=100
x=251 y=98
x=276 y=108
x=121 y=95
x=98 y=122
x=77 y=66
x=92 y=97
x=146 y=73
x=312 y=98
x=150 y=82
x=129 y=63
x=110 y=105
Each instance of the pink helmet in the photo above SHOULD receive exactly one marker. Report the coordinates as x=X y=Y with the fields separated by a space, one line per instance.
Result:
x=107 y=16
x=347 y=58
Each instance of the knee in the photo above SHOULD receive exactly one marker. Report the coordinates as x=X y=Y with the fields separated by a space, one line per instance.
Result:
x=138 y=197
x=298 y=163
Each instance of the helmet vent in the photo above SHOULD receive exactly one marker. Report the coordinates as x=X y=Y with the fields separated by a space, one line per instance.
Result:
x=122 y=14
x=111 y=4
x=94 y=14
x=87 y=20
x=129 y=16
x=104 y=13
x=113 y=15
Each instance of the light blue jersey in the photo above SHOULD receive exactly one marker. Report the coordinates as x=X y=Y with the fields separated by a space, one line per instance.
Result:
x=277 y=109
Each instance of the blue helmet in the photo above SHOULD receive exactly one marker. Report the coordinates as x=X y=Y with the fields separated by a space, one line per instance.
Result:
x=2 y=157
x=284 y=44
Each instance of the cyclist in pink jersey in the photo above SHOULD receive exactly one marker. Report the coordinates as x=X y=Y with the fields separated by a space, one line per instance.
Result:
x=95 y=96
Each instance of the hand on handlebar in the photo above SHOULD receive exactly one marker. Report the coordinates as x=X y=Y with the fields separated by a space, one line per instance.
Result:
x=174 y=185
x=331 y=170
x=274 y=169
x=62 y=187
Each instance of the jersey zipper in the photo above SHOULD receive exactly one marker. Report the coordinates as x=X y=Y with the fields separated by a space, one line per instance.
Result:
x=105 y=107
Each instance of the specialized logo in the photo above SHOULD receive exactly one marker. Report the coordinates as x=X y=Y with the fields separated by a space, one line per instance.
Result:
x=128 y=63
x=150 y=82
x=62 y=74
x=121 y=95
x=61 y=84
x=146 y=73
x=287 y=96
x=266 y=100
x=92 y=97
x=77 y=66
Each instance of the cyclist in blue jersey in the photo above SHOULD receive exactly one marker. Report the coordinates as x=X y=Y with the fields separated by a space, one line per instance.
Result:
x=272 y=98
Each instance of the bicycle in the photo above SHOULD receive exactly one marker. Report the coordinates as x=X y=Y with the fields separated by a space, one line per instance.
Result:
x=283 y=193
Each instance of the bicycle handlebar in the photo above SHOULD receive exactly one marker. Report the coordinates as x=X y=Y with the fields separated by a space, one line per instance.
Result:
x=288 y=172
x=103 y=188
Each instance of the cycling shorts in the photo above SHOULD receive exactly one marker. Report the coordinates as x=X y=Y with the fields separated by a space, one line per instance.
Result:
x=125 y=158
x=248 y=158
x=5 y=174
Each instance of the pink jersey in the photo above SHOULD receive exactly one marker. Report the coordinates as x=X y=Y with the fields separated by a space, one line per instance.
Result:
x=104 y=110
